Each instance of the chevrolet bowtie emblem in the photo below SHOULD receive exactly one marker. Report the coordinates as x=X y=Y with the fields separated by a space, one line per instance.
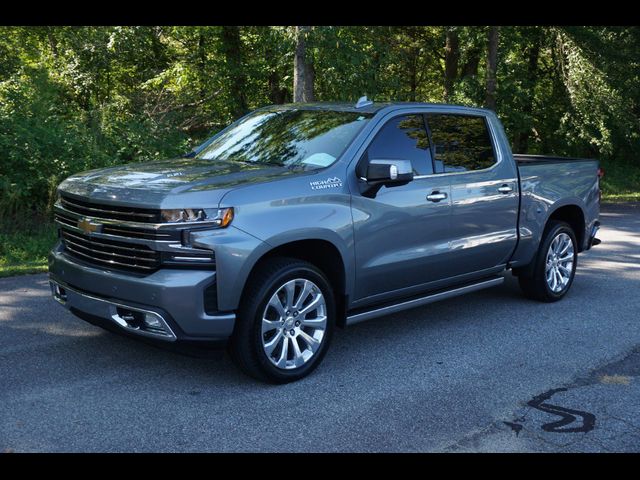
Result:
x=88 y=227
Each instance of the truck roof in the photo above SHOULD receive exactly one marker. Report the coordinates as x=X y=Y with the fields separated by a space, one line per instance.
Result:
x=370 y=108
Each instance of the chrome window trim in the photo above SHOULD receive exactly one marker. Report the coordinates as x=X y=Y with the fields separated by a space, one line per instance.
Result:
x=425 y=111
x=498 y=151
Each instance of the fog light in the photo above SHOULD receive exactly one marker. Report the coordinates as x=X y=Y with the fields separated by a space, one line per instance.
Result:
x=152 y=321
x=59 y=293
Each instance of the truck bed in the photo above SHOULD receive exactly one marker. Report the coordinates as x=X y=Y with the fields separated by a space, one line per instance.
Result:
x=547 y=181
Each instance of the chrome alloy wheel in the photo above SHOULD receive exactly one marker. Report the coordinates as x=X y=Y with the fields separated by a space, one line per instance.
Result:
x=294 y=324
x=559 y=267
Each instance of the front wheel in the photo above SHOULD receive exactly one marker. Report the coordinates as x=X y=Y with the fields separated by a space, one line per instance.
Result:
x=285 y=322
x=555 y=265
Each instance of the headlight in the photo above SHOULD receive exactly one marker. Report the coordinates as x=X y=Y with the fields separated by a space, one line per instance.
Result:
x=183 y=215
x=220 y=217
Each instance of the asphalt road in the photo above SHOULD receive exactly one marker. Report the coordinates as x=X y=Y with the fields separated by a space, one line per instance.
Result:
x=491 y=371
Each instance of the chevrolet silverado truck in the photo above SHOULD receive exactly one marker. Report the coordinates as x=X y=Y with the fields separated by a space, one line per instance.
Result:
x=297 y=219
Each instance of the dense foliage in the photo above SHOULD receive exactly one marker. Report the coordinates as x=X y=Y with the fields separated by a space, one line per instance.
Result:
x=76 y=98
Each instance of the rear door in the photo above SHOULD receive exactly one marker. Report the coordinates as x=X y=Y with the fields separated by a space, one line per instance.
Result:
x=484 y=191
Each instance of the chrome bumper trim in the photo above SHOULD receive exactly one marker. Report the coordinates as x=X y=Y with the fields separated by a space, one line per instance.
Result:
x=69 y=297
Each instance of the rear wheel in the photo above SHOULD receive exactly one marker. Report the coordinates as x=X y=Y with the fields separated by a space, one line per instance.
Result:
x=555 y=264
x=285 y=322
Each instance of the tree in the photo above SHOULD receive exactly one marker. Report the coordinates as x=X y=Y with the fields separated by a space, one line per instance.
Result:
x=303 y=69
x=451 y=57
x=492 y=64
x=77 y=98
x=231 y=47
x=531 y=52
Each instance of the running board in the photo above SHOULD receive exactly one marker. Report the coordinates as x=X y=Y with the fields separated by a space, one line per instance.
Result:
x=417 y=302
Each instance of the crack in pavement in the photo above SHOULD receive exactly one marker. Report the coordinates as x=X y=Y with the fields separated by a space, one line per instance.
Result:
x=627 y=364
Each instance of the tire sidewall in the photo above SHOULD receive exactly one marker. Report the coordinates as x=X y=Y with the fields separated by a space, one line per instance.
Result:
x=557 y=229
x=274 y=283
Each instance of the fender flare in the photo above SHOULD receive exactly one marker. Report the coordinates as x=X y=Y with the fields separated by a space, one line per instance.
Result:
x=268 y=245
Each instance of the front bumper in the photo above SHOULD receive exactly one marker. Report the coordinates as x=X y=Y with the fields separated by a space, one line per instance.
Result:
x=132 y=319
x=166 y=305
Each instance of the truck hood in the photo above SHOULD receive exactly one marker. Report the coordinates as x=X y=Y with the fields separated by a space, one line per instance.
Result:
x=169 y=183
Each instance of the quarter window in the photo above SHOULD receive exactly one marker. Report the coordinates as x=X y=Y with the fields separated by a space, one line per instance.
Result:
x=461 y=142
x=404 y=138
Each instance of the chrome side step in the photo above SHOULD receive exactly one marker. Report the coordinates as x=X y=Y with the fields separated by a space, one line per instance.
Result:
x=417 y=302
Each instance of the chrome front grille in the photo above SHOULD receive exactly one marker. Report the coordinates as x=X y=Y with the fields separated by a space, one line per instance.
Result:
x=141 y=233
x=116 y=227
x=129 y=214
x=125 y=238
x=122 y=255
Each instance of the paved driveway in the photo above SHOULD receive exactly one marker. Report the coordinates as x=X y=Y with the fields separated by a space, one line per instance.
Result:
x=491 y=371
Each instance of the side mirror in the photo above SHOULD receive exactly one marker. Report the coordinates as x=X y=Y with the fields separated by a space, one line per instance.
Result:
x=388 y=173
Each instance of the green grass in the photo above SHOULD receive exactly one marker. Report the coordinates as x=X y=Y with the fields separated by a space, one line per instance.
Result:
x=624 y=197
x=621 y=182
x=24 y=245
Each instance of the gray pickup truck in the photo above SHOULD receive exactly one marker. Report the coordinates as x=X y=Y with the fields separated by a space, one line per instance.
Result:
x=297 y=219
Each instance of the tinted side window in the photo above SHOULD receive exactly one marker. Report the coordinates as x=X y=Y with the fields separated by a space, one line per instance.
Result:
x=462 y=142
x=404 y=138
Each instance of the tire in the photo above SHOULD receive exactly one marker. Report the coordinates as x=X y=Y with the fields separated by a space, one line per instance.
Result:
x=261 y=325
x=537 y=285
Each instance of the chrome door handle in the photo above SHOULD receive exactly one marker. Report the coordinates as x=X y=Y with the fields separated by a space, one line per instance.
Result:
x=436 y=196
x=505 y=189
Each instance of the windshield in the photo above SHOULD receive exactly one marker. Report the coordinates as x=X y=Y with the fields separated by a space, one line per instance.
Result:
x=306 y=139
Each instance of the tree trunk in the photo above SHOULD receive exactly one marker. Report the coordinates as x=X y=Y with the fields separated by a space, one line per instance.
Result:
x=310 y=78
x=521 y=143
x=159 y=54
x=470 y=67
x=492 y=63
x=277 y=94
x=233 y=55
x=451 y=57
x=372 y=87
x=303 y=70
x=413 y=74
x=53 y=43
x=202 y=64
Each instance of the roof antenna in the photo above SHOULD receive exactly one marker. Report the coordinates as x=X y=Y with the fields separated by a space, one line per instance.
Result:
x=363 y=102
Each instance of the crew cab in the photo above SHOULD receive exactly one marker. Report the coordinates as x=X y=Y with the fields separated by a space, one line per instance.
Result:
x=297 y=219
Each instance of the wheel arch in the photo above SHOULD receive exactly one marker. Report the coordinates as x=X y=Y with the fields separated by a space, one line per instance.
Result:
x=570 y=212
x=573 y=215
x=321 y=249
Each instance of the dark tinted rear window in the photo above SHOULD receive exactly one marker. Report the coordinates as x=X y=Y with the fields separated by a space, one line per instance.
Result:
x=461 y=142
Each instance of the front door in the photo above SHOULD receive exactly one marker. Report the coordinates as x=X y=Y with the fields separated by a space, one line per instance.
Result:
x=402 y=234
